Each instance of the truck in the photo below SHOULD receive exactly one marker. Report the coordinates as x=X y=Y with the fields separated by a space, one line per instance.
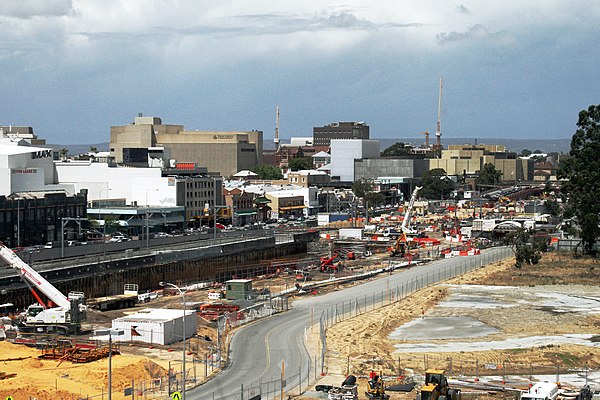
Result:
x=66 y=313
x=541 y=391
x=128 y=299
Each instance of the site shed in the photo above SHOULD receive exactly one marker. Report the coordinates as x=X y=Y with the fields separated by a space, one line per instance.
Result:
x=238 y=289
x=156 y=326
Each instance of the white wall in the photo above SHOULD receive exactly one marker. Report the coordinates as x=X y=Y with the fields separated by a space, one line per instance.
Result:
x=104 y=182
x=345 y=151
x=25 y=168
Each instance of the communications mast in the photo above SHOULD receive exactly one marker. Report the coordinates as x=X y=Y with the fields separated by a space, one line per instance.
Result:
x=276 y=139
x=438 y=129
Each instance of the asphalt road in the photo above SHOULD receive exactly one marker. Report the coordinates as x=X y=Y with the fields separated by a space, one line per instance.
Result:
x=257 y=350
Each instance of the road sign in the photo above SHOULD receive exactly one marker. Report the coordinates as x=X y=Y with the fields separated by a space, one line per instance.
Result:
x=176 y=396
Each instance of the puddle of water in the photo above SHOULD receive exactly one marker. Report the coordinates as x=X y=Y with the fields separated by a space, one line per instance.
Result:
x=442 y=328
x=511 y=343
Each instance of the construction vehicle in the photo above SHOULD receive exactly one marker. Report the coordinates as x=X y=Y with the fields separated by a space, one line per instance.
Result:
x=400 y=246
x=376 y=387
x=67 y=314
x=436 y=386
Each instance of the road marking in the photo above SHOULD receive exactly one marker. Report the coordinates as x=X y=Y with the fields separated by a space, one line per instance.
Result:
x=268 y=350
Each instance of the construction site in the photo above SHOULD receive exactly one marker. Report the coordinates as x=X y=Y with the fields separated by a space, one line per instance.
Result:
x=494 y=323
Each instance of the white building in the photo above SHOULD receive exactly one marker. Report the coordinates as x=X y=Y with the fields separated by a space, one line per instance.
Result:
x=25 y=168
x=345 y=151
x=157 y=326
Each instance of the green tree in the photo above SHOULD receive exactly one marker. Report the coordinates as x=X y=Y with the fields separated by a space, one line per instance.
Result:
x=581 y=172
x=488 y=175
x=436 y=184
x=374 y=199
x=525 y=153
x=361 y=187
x=300 y=163
x=93 y=149
x=267 y=172
x=526 y=251
x=397 y=149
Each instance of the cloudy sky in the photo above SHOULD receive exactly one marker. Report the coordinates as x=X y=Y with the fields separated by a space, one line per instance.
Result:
x=510 y=68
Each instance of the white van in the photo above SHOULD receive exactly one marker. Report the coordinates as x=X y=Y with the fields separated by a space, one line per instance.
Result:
x=215 y=295
x=541 y=391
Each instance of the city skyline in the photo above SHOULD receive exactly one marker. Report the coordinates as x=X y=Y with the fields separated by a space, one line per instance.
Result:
x=510 y=69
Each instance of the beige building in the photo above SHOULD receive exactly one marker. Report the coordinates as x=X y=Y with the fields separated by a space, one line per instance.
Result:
x=148 y=142
x=468 y=159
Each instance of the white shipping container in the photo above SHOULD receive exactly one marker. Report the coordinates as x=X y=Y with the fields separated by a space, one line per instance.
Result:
x=350 y=233
x=156 y=326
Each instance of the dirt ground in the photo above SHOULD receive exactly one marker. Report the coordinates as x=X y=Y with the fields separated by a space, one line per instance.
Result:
x=360 y=344
x=364 y=339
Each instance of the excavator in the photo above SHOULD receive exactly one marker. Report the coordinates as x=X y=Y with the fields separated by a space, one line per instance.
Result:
x=436 y=387
x=376 y=387
x=400 y=246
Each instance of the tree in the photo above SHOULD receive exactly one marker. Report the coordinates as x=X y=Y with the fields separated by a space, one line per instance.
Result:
x=397 y=149
x=300 y=163
x=436 y=184
x=267 y=172
x=374 y=199
x=525 y=153
x=581 y=172
x=488 y=175
x=526 y=251
x=93 y=149
x=361 y=187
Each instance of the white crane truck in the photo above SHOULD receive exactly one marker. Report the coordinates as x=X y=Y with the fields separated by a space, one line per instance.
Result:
x=63 y=318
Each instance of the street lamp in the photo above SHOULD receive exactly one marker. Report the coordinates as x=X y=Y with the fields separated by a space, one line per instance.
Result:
x=103 y=219
x=182 y=293
x=110 y=333
x=147 y=223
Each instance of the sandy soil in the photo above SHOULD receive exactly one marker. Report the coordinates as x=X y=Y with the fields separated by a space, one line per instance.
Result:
x=365 y=339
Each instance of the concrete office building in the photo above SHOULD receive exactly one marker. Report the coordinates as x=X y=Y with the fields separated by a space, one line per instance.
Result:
x=147 y=141
x=469 y=159
x=372 y=168
x=322 y=135
x=21 y=133
x=343 y=154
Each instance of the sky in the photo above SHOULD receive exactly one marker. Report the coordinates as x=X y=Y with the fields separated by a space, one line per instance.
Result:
x=510 y=68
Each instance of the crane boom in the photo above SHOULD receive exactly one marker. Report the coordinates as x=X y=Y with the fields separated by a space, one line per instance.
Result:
x=32 y=276
x=411 y=203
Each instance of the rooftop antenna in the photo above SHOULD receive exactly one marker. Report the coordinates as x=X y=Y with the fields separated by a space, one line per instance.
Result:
x=438 y=130
x=276 y=139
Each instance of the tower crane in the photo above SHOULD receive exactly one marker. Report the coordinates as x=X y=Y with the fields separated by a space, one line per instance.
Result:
x=426 y=133
x=68 y=313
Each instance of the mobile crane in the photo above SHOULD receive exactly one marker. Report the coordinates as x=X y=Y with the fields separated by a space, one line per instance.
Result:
x=67 y=315
x=399 y=247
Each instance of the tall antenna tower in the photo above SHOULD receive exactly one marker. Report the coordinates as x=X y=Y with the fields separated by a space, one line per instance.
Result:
x=438 y=130
x=276 y=139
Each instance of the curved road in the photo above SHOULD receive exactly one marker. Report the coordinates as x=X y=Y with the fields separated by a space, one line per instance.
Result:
x=257 y=350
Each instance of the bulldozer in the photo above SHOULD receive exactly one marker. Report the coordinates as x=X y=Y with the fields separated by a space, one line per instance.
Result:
x=376 y=387
x=436 y=387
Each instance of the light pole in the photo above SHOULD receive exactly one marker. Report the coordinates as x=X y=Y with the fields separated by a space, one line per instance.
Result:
x=103 y=220
x=110 y=333
x=147 y=223
x=182 y=293
x=18 y=222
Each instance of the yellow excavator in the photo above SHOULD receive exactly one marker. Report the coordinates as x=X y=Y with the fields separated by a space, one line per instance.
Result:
x=376 y=387
x=436 y=387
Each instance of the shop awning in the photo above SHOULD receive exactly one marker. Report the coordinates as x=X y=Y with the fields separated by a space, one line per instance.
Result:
x=245 y=212
x=291 y=208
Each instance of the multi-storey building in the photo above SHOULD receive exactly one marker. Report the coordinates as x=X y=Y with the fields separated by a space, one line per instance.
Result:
x=148 y=142
x=322 y=135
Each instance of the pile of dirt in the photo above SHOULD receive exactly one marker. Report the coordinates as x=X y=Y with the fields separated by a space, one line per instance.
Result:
x=49 y=380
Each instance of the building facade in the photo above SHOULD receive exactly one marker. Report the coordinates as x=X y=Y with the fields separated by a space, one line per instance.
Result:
x=372 y=168
x=322 y=135
x=148 y=141
x=34 y=218
x=344 y=152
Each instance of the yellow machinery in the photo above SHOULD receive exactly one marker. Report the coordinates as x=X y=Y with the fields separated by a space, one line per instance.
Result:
x=436 y=386
x=376 y=387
